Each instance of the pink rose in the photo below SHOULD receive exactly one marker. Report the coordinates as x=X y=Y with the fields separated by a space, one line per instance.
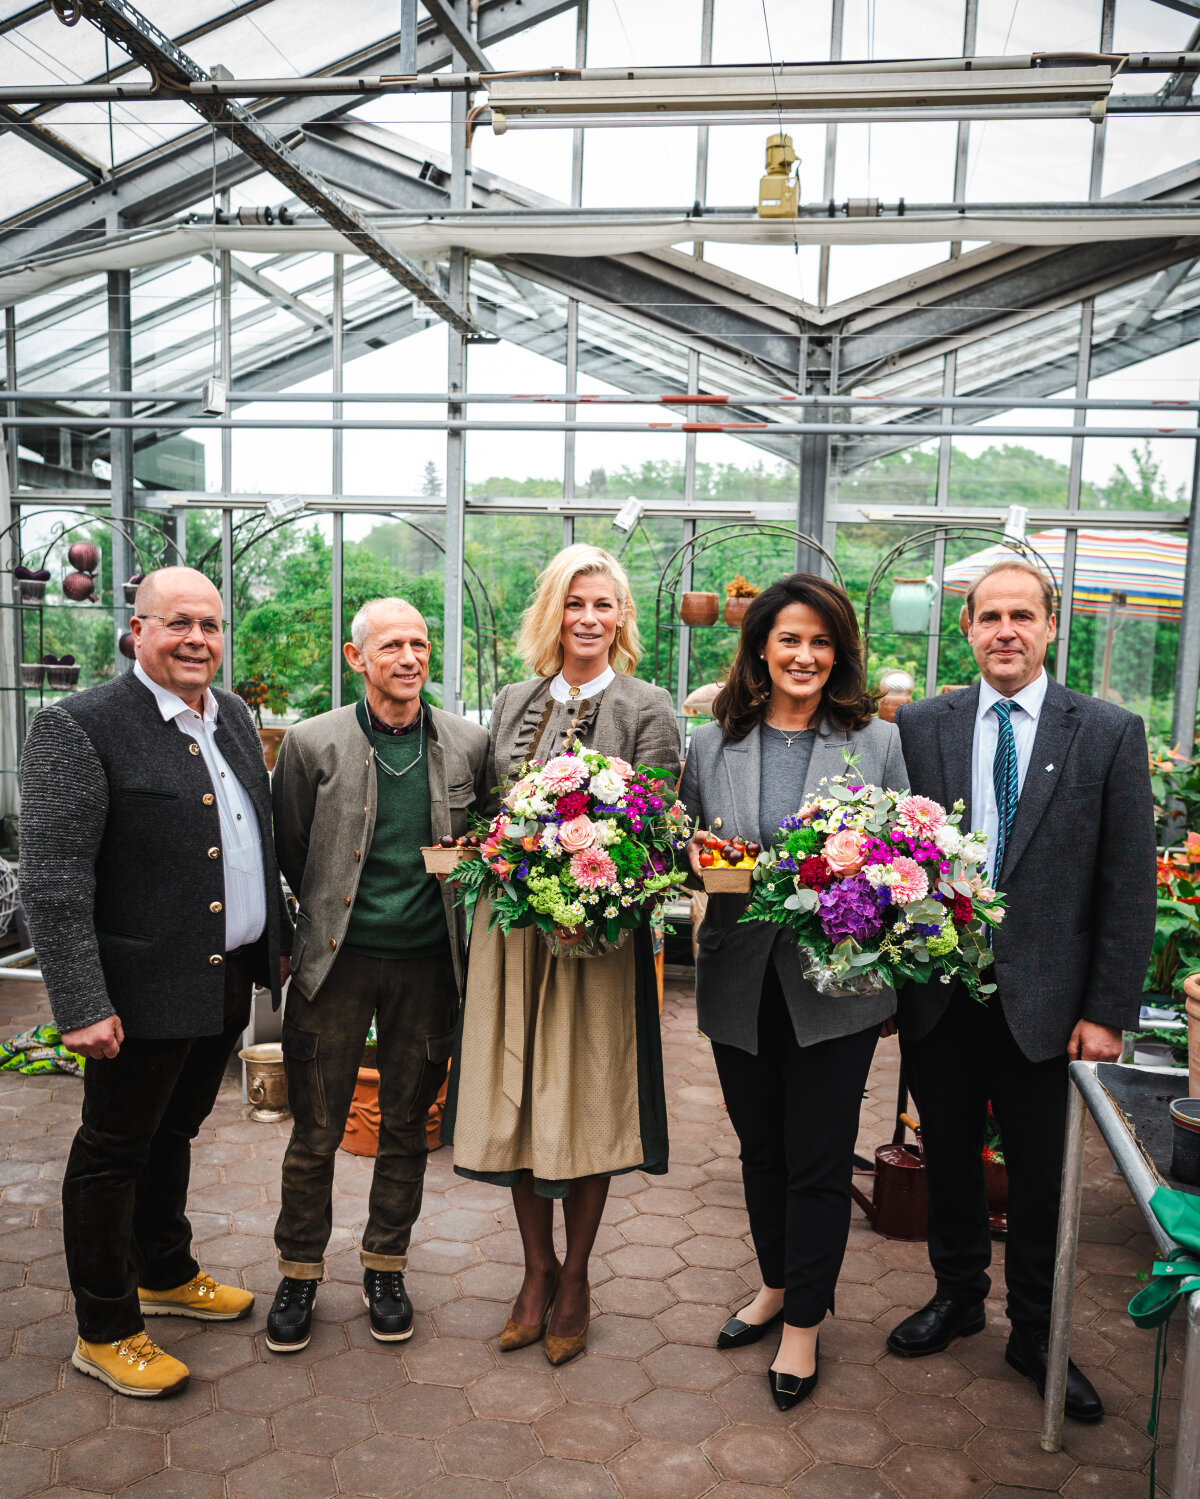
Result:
x=625 y=770
x=845 y=852
x=576 y=835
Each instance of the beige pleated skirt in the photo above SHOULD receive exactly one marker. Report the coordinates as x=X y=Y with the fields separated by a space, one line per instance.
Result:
x=548 y=1076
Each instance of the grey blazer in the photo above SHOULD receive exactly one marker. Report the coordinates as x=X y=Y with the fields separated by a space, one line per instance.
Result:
x=324 y=793
x=721 y=780
x=1079 y=869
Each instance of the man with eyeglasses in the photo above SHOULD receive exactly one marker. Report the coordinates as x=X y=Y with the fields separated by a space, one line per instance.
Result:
x=357 y=793
x=149 y=878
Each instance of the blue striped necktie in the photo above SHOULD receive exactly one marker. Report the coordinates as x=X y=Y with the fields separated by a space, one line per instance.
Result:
x=1004 y=782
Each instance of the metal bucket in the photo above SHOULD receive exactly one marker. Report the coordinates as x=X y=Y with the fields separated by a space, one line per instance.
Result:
x=266 y=1082
x=1185 y=1141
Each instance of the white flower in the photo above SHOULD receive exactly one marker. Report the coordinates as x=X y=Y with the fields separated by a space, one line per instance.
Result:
x=549 y=839
x=610 y=910
x=880 y=874
x=607 y=832
x=948 y=839
x=627 y=900
x=607 y=786
x=946 y=978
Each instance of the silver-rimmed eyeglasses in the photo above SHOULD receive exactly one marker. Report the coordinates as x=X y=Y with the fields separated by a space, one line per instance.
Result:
x=182 y=624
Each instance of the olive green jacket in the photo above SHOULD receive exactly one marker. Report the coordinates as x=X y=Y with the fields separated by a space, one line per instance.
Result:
x=324 y=792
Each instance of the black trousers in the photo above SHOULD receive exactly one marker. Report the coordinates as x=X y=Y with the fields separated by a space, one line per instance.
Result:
x=415 y=1004
x=969 y=1057
x=125 y=1189
x=795 y=1109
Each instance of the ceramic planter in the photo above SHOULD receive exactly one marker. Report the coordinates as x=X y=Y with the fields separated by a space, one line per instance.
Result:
x=1191 y=994
x=31 y=590
x=910 y=604
x=271 y=740
x=735 y=611
x=62 y=675
x=699 y=609
x=362 y=1127
x=33 y=673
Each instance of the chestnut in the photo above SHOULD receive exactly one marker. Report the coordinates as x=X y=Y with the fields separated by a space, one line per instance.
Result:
x=446 y=840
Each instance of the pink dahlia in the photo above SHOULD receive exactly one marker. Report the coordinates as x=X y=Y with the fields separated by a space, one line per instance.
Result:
x=920 y=815
x=563 y=773
x=913 y=883
x=591 y=868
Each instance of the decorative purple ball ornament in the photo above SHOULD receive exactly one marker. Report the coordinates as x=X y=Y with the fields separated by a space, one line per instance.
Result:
x=78 y=586
x=125 y=646
x=84 y=555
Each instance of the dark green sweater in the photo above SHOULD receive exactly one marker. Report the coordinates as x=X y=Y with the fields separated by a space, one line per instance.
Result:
x=398 y=911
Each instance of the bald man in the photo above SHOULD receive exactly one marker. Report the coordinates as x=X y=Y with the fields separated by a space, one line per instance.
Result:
x=149 y=878
x=357 y=793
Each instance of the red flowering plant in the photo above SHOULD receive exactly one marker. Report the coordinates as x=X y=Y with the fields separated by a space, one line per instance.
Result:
x=877 y=887
x=993 y=1146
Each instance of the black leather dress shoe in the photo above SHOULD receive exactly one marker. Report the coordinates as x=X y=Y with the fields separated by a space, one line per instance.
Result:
x=1028 y=1352
x=935 y=1327
x=739 y=1334
x=387 y=1301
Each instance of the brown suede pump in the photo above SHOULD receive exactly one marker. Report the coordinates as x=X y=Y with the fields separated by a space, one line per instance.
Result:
x=521 y=1334
x=559 y=1350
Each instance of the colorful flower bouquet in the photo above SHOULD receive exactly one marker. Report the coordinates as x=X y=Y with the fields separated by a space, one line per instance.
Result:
x=877 y=887
x=582 y=841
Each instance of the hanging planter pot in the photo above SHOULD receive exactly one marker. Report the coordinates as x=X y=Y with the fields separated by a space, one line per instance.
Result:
x=31 y=585
x=735 y=611
x=697 y=610
x=131 y=587
x=910 y=603
x=33 y=673
x=61 y=672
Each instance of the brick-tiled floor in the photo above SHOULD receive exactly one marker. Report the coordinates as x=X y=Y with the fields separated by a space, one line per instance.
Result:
x=652 y=1411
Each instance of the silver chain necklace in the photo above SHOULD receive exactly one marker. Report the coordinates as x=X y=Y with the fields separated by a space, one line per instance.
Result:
x=386 y=768
x=789 y=739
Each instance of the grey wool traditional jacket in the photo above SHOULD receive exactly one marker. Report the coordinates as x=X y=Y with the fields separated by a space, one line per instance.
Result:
x=1079 y=866
x=324 y=792
x=721 y=784
x=120 y=868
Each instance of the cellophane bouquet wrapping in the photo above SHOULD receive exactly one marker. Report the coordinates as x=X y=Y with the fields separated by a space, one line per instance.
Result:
x=583 y=840
x=877 y=887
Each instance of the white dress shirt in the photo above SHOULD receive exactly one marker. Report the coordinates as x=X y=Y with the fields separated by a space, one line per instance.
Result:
x=241 y=845
x=1027 y=706
x=562 y=692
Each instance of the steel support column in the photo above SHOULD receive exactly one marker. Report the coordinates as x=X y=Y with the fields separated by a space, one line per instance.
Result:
x=336 y=487
x=120 y=374
x=12 y=723
x=456 y=381
x=1187 y=661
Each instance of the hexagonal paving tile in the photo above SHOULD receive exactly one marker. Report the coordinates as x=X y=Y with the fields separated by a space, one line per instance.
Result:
x=489 y=1449
x=586 y=1433
x=264 y=1389
x=294 y=1474
x=451 y=1361
x=514 y=1394
x=322 y=1426
x=561 y=1478
x=852 y=1437
x=682 y=1368
x=23 y=1470
x=219 y=1442
x=933 y=1473
x=421 y=1410
x=109 y=1460
x=358 y=1375
x=930 y=1420
x=387 y=1467
x=757 y=1454
x=677 y=1415
x=62 y=1417
x=653 y=1469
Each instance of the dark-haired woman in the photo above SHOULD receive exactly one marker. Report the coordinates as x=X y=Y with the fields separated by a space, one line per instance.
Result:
x=792 y=1063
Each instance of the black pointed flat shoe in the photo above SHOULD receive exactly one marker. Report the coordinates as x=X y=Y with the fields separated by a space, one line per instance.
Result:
x=788 y=1390
x=739 y=1334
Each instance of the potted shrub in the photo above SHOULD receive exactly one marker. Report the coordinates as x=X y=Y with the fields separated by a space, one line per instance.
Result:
x=738 y=596
x=265 y=692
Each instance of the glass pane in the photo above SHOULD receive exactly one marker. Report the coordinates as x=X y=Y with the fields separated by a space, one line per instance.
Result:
x=797 y=33
x=505 y=553
x=1000 y=151
x=931 y=28
x=669 y=153
x=82 y=628
x=854 y=269
x=1137 y=150
x=398 y=464
x=914 y=162
x=1008 y=27
x=655 y=33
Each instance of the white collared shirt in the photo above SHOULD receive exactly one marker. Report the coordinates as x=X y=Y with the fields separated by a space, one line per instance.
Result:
x=561 y=692
x=241 y=845
x=1027 y=707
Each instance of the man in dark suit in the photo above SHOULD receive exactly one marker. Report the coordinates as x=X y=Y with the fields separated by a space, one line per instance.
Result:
x=1060 y=783
x=148 y=875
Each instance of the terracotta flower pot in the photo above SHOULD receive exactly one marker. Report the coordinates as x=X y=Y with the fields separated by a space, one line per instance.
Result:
x=735 y=611
x=1191 y=994
x=699 y=609
x=362 y=1127
x=271 y=740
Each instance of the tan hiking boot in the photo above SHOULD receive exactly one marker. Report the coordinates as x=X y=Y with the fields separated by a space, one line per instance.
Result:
x=135 y=1365
x=202 y=1297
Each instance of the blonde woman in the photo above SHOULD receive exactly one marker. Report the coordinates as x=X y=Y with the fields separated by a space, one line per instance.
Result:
x=557 y=1083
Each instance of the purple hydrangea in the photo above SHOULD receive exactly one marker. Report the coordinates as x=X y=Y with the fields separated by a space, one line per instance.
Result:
x=848 y=908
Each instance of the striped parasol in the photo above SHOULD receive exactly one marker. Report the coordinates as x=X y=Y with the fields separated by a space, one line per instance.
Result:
x=1146 y=566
